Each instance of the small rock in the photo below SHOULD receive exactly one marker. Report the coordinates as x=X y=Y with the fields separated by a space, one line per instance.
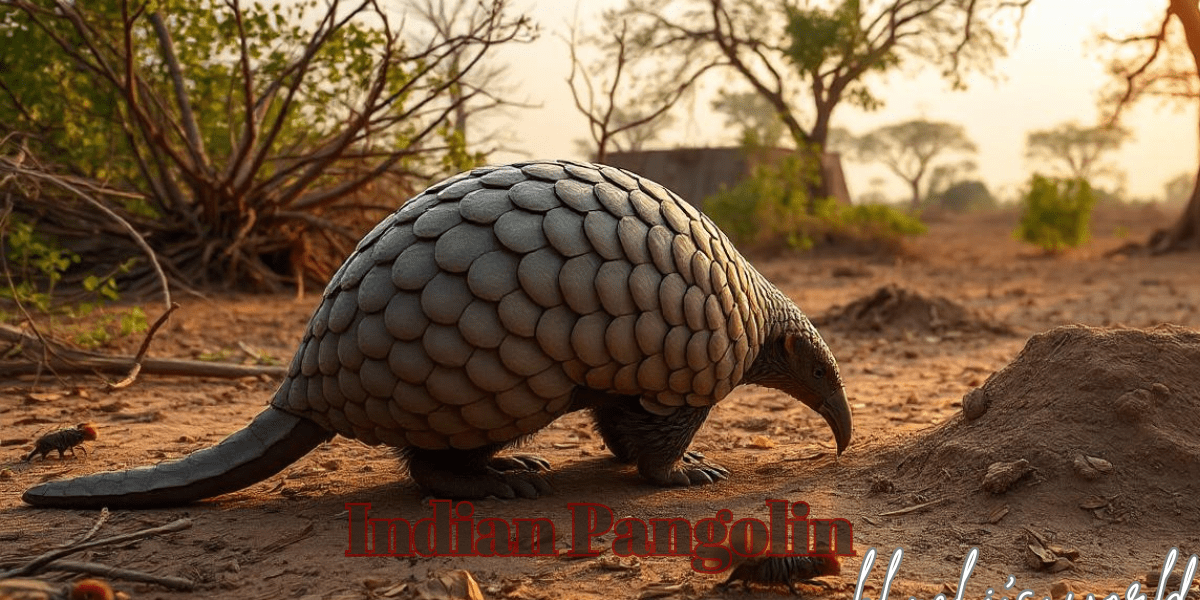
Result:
x=975 y=403
x=1174 y=580
x=1160 y=393
x=1002 y=475
x=1091 y=467
x=1135 y=406
x=1061 y=588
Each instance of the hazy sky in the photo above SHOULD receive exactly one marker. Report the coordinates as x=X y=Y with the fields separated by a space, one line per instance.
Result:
x=1052 y=75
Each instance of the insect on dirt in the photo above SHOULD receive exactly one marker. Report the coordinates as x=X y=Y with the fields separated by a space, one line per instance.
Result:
x=64 y=440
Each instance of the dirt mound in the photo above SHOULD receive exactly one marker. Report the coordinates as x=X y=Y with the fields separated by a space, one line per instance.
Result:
x=1105 y=419
x=894 y=308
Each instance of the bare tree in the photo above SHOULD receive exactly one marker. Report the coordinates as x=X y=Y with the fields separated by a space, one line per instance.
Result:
x=614 y=95
x=484 y=90
x=786 y=51
x=909 y=149
x=1076 y=149
x=1165 y=64
x=307 y=117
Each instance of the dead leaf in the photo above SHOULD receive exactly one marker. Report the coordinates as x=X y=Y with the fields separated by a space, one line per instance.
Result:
x=1060 y=565
x=1091 y=467
x=1038 y=557
x=1070 y=553
x=452 y=585
x=1001 y=476
x=998 y=514
x=613 y=563
x=39 y=397
x=394 y=591
x=660 y=590
x=761 y=442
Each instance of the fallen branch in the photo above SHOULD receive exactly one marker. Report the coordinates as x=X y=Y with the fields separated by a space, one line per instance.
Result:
x=36 y=564
x=64 y=360
x=167 y=581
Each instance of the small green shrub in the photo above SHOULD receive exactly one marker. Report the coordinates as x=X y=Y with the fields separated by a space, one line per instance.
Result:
x=32 y=269
x=1055 y=213
x=772 y=209
x=881 y=218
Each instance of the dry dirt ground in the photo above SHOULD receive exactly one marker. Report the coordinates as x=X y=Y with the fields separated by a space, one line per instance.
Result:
x=964 y=300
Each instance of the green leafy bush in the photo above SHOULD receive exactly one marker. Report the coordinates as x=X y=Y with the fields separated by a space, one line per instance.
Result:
x=772 y=210
x=1055 y=213
x=33 y=267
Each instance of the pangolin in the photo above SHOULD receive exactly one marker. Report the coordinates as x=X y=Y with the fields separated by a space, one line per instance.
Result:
x=493 y=303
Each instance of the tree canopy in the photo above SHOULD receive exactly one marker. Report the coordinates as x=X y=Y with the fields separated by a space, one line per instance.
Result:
x=909 y=149
x=1076 y=150
x=806 y=60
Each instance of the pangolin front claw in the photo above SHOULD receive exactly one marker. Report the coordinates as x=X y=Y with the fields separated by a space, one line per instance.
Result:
x=691 y=469
x=519 y=462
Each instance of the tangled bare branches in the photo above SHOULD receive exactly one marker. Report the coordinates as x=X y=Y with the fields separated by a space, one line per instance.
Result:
x=251 y=137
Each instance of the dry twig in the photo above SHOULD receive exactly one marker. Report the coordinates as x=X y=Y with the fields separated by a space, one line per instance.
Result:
x=141 y=355
x=40 y=562
x=175 y=583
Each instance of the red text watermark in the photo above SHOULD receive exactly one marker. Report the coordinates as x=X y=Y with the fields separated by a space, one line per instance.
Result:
x=455 y=530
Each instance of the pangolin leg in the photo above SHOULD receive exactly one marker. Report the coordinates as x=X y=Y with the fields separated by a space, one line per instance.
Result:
x=476 y=473
x=657 y=444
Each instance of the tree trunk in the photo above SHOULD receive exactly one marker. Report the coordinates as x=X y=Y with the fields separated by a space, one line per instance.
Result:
x=915 y=184
x=1185 y=234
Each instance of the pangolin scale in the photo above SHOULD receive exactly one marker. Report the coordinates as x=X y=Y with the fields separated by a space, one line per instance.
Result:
x=495 y=302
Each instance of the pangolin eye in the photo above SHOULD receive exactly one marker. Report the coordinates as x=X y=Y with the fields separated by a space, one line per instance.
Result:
x=819 y=372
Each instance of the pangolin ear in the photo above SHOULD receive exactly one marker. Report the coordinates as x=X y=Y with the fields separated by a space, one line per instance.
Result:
x=790 y=341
